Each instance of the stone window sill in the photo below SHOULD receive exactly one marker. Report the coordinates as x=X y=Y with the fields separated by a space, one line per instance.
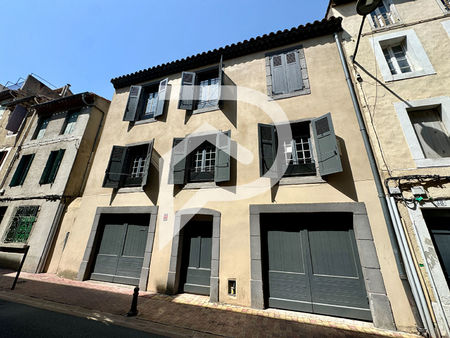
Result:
x=205 y=110
x=125 y=190
x=145 y=121
x=301 y=180
x=288 y=95
x=201 y=185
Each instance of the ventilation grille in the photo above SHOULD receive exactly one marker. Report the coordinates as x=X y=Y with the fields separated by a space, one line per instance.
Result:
x=290 y=57
x=187 y=78
x=277 y=60
x=322 y=126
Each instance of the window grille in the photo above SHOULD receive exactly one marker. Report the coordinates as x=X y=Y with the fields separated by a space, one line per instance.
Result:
x=138 y=166
x=205 y=160
x=21 y=224
x=382 y=16
x=298 y=151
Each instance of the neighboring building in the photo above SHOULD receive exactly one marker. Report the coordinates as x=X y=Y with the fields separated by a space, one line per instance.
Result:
x=402 y=76
x=187 y=194
x=50 y=170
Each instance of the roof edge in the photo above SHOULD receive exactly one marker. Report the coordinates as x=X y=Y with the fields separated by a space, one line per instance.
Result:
x=260 y=43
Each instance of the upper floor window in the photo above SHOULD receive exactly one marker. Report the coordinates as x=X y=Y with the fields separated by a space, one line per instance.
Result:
x=21 y=224
x=201 y=91
x=201 y=158
x=128 y=166
x=445 y=4
x=286 y=73
x=52 y=166
x=70 y=122
x=22 y=170
x=400 y=55
x=384 y=15
x=297 y=149
x=40 y=128
x=146 y=102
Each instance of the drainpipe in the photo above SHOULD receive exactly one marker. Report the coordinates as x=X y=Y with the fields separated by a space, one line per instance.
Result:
x=411 y=272
x=381 y=196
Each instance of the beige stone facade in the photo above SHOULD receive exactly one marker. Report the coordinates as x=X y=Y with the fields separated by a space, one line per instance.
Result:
x=235 y=203
x=390 y=104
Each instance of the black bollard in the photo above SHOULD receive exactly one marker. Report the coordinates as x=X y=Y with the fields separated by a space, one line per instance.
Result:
x=134 y=311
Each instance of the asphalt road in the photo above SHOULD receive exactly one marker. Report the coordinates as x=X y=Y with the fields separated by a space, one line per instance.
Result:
x=18 y=320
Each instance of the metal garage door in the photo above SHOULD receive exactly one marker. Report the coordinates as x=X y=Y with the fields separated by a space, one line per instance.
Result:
x=121 y=250
x=311 y=264
x=196 y=258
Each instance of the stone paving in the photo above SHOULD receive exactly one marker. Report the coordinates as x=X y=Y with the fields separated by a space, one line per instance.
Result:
x=184 y=311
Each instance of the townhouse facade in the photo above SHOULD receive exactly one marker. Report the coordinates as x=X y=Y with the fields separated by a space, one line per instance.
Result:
x=49 y=170
x=241 y=174
x=401 y=73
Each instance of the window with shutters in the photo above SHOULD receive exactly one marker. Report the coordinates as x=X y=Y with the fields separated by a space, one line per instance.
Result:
x=22 y=170
x=70 y=122
x=204 y=158
x=147 y=102
x=201 y=91
x=3 y=156
x=40 y=128
x=400 y=56
x=305 y=148
x=286 y=73
x=52 y=166
x=426 y=126
x=445 y=5
x=128 y=166
x=21 y=224
x=384 y=15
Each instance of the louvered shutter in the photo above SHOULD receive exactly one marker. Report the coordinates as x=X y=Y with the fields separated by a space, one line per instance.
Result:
x=326 y=145
x=279 y=84
x=267 y=149
x=133 y=103
x=293 y=72
x=178 y=161
x=16 y=118
x=56 y=164
x=114 y=171
x=219 y=88
x=162 y=97
x=19 y=170
x=222 y=164
x=48 y=167
x=187 y=91
x=148 y=161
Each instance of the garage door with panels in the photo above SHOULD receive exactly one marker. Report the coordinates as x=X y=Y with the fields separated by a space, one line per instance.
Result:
x=120 y=246
x=318 y=258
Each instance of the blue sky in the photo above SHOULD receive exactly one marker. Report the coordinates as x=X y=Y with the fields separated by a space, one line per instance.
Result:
x=86 y=43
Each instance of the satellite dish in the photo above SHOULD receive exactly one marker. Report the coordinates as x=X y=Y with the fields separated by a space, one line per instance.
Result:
x=364 y=7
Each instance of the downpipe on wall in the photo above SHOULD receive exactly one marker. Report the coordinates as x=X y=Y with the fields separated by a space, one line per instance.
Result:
x=381 y=196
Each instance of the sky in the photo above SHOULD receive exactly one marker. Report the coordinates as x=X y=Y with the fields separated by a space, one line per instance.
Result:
x=87 y=43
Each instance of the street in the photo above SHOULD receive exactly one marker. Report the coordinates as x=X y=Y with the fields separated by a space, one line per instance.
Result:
x=18 y=320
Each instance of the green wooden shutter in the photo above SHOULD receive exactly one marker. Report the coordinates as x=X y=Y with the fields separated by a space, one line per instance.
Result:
x=48 y=167
x=148 y=161
x=178 y=162
x=133 y=103
x=18 y=173
x=187 y=91
x=27 y=167
x=222 y=165
x=326 y=145
x=162 y=97
x=293 y=72
x=56 y=164
x=277 y=64
x=267 y=149
x=114 y=171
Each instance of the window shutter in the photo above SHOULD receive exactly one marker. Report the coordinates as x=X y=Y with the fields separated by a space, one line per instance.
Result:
x=55 y=167
x=187 y=91
x=48 y=167
x=222 y=164
x=162 y=97
x=114 y=171
x=133 y=103
x=326 y=145
x=148 y=161
x=267 y=149
x=19 y=170
x=293 y=72
x=178 y=161
x=219 y=88
x=16 y=118
x=279 y=84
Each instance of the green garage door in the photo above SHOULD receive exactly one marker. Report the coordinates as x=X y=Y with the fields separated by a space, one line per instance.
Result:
x=311 y=264
x=196 y=258
x=121 y=250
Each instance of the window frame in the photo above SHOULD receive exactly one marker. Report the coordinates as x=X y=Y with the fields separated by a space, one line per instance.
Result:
x=417 y=57
x=303 y=70
x=413 y=142
x=391 y=9
x=67 y=123
x=40 y=123
x=203 y=175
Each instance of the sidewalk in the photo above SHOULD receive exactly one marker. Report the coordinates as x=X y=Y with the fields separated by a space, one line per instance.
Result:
x=180 y=315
